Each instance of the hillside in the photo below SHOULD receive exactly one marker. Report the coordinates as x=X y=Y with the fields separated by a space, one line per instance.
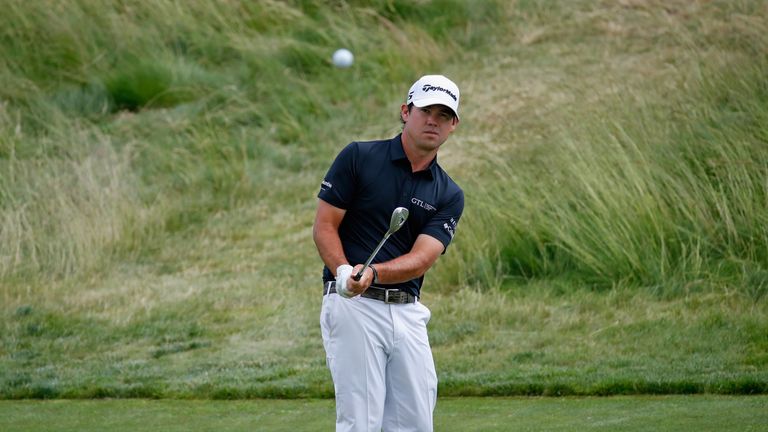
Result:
x=159 y=165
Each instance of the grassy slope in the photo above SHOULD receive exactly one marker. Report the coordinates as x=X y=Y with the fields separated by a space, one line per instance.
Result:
x=205 y=283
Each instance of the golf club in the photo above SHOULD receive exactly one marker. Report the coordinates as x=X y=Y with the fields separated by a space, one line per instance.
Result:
x=399 y=216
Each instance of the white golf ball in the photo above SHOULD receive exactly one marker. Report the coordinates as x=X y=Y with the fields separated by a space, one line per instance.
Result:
x=343 y=58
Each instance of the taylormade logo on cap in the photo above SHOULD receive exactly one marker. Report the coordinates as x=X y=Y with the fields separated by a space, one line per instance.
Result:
x=429 y=87
x=434 y=90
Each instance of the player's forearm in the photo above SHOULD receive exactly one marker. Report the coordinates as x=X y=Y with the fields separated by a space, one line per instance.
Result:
x=329 y=246
x=403 y=268
x=412 y=265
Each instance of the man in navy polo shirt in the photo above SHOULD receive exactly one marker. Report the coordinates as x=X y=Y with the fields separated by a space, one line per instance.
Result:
x=375 y=329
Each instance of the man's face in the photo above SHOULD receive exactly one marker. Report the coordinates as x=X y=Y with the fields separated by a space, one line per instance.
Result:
x=428 y=127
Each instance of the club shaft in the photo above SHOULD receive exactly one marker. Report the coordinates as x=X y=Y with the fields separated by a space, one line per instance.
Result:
x=370 y=258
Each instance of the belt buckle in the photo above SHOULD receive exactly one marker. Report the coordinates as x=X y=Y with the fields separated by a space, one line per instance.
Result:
x=386 y=295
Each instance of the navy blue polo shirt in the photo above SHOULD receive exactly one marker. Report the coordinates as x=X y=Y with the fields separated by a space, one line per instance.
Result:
x=368 y=180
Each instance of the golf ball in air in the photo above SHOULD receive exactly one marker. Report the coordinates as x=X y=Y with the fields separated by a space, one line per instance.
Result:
x=343 y=58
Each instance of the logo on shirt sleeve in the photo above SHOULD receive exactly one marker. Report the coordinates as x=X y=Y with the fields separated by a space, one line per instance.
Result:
x=450 y=227
x=326 y=185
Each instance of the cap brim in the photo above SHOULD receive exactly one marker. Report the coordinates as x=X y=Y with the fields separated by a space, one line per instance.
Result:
x=421 y=103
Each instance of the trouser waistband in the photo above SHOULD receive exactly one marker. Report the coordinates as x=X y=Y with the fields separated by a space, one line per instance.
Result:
x=387 y=295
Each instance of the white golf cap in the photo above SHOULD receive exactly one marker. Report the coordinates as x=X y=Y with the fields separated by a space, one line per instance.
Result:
x=434 y=90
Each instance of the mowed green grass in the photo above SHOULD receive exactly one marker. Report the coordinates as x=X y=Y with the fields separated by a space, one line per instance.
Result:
x=660 y=413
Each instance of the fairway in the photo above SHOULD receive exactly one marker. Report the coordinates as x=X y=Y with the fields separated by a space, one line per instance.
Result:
x=660 y=413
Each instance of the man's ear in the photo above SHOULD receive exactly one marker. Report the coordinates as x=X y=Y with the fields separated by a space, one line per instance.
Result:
x=404 y=112
x=454 y=123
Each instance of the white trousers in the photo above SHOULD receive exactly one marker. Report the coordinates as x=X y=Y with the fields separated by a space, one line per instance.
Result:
x=381 y=363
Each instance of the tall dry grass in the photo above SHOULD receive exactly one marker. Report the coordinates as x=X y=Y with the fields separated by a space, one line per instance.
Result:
x=64 y=216
x=663 y=190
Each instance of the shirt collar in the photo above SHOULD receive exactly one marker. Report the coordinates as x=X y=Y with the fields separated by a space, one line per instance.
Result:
x=396 y=153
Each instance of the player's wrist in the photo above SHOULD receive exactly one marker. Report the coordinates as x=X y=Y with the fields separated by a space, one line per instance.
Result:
x=375 y=273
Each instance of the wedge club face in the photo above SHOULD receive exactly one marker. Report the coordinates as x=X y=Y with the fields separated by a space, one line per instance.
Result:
x=399 y=216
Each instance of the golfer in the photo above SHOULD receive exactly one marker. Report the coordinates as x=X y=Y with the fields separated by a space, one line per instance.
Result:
x=375 y=329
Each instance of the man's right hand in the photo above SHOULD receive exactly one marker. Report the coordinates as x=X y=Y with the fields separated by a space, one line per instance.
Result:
x=359 y=286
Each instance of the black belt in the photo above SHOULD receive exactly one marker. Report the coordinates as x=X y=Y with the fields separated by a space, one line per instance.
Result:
x=391 y=296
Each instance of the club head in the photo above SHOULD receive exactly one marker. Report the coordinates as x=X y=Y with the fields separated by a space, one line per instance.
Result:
x=399 y=216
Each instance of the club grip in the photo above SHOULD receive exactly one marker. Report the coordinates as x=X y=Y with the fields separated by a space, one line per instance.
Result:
x=358 y=275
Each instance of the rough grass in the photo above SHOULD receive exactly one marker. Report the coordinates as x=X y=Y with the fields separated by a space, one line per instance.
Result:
x=159 y=165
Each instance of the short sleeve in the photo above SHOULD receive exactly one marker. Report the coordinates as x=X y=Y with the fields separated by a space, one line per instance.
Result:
x=337 y=187
x=442 y=225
